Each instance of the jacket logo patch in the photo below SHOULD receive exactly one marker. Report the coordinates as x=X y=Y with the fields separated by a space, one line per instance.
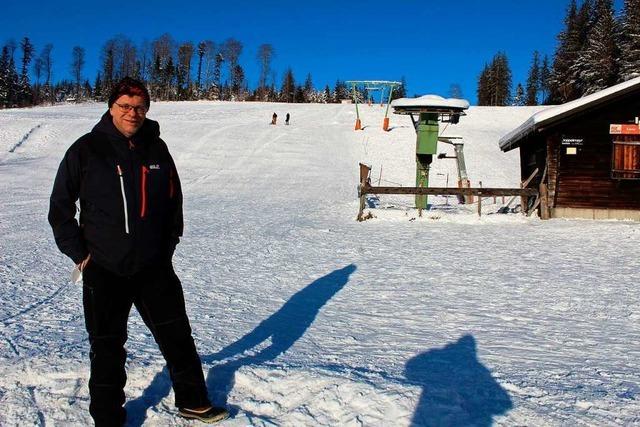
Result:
x=154 y=166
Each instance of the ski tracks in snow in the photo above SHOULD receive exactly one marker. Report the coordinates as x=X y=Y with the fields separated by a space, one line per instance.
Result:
x=269 y=211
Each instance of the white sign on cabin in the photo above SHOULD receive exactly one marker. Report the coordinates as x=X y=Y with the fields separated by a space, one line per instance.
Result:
x=572 y=144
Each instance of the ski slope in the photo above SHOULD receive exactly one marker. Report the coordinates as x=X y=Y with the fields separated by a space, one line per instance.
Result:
x=305 y=317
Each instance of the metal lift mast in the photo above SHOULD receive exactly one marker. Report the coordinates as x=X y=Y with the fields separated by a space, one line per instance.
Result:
x=430 y=110
x=373 y=85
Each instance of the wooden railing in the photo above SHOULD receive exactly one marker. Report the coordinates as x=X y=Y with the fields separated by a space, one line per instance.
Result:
x=365 y=188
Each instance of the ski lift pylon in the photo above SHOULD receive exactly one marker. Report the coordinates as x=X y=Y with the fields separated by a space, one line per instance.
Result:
x=370 y=85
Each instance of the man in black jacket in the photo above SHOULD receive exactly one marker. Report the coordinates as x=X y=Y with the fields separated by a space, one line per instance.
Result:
x=130 y=222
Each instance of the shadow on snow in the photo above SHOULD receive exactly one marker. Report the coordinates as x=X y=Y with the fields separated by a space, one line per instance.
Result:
x=277 y=334
x=457 y=390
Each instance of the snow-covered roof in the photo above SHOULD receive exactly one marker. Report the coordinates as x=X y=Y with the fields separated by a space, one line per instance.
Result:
x=551 y=115
x=433 y=101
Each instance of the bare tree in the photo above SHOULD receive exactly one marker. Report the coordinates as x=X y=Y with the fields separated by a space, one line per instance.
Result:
x=108 y=65
x=163 y=48
x=264 y=56
x=145 y=60
x=183 y=72
x=208 y=63
x=163 y=68
x=47 y=68
x=231 y=50
x=119 y=59
x=77 y=63
x=37 y=69
x=121 y=50
x=128 y=58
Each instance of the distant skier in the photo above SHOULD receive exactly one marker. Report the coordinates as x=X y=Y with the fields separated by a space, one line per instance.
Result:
x=130 y=223
x=286 y=120
x=274 y=118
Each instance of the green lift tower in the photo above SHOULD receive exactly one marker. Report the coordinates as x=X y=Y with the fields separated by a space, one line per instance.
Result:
x=430 y=110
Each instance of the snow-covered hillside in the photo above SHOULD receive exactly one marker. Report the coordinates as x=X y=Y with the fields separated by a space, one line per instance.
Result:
x=305 y=317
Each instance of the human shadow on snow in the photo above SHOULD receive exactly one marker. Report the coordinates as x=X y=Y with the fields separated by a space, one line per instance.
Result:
x=271 y=338
x=457 y=390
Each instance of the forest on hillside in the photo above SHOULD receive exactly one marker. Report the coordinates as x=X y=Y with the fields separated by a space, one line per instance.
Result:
x=173 y=71
x=596 y=49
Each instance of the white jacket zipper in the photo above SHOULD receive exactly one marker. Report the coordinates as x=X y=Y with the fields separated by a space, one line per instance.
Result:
x=124 y=201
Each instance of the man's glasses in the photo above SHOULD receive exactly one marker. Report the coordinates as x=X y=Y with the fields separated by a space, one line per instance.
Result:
x=141 y=109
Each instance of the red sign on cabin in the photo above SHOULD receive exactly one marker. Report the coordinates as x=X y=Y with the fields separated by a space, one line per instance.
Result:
x=624 y=129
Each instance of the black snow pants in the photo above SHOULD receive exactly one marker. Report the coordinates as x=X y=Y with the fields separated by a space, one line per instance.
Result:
x=158 y=297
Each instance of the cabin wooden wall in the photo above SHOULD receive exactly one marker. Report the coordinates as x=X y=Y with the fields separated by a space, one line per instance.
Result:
x=584 y=180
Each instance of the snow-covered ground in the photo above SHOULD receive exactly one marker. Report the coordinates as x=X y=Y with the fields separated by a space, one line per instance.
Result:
x=305 y=317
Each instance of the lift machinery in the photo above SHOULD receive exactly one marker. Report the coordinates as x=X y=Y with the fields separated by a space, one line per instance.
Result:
x=426 y=113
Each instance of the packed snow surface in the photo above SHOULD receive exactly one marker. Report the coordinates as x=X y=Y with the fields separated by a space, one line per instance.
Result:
x=305 y=317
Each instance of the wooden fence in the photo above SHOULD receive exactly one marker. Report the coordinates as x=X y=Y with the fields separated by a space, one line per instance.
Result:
x=365 y=188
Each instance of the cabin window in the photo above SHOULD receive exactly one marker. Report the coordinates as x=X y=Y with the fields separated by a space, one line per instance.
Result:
x=626 y=159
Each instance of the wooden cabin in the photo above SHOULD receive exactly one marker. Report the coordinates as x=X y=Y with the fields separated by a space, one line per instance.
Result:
x=587 y=153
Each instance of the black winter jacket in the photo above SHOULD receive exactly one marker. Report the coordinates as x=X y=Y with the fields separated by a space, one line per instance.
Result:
x=130 y=199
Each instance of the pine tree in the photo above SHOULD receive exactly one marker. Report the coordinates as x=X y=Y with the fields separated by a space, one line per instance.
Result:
x=340 y=92
x=630 y=41
x=598 y=62
x=299 y=96
x=25 y=94
x=217 y=77
x=14 y=84
x=168 y=78
x=494 y=82
x=87 y=90
x=533 y=81
x=562 y=83
x=544 y=78
x=107 y=70
x=225 y=92
x=97 y=88
x=287 y=90
x=327 y=95
x=519 y=98
x=238 y=83
x=483 y=92
x=155 y=85
x=13 y=81
x=4 y=77
x=202 y=49
x=401 y=90
x=308 y=89
x=272 y=95
x=502 y=80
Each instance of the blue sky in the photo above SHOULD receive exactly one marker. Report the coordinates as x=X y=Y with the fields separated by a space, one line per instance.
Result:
x=432 y=43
